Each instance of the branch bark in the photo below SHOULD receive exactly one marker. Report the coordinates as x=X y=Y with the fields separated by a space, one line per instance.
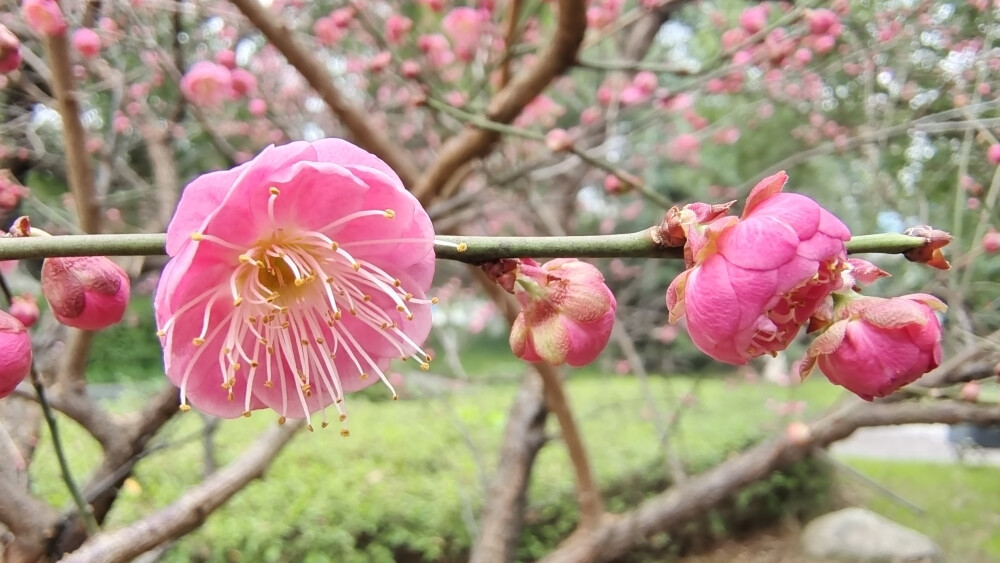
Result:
x=618 y=534
x=508 y=103
x=191 y=509
x=320 y=80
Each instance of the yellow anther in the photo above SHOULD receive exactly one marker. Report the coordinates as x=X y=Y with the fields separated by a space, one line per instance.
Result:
x=246 y=414
x=269 y=384
x=281 y=420
x=363 y=376
x=299 y=282
x=343 y=417
x=237 y=302
x=397 y=282
x=345 y=432
x=400 y=308
x=353 y=312
x=334 y=246
x=274 y=190
x=462 y=247
x=161 y=333
x=184 y=408
x=434 y=300
x=253 y=363
x=390 y=214
x=310 y=427
x=336 y=316
x=324 y=424
x=245 y=259
x=197 y=236
x=198 y=341
x=428 y=358
x=356 y=266
x=408 y=297
x=409 y=316
x=304 y=341
x=395 y=397
x=320 y=341
x=424 y=366
x=236 y=366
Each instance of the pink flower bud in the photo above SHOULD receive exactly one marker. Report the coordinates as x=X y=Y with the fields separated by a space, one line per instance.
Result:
x=87 y=292
x=993 y=154
x=878 y=345
x=567 y=312
x=87 y=43
x=25 y=309
x=15 y=353
x=558 y=140
x=754 y=19
x=44 y=16
x=991 y=241
x=755 y=281
x=798 y=433
x=243 y=82
x=10 y=51
x=970 y=391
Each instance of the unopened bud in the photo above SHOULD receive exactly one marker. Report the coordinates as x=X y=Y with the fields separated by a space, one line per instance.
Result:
x=15 y=353
x=970 y=391
x=10 y=51
x=44 y=16
x=25 y=309
x=930 y=253
x=87 y=292
x=567 y=312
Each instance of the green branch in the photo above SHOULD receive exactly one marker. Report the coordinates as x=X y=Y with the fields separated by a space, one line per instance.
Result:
x=472 y=250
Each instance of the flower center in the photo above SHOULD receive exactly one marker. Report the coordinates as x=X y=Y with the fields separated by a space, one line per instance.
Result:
x=298 y=302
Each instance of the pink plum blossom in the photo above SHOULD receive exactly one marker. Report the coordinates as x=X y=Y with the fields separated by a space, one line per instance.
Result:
x=327 y=32
x=753 y=282
x=558 y=140
x=86 y=292
x=396 y=27
x=15 y=353
x=25 y=309
x=294 y=278
x=207 y=84
x=754 y=18
x=567 y=312
x=465 y=28
x=684 y=148
x=44 y=17
x=993 y=154
x=226 y=58
x=257 y=107
x=875 y=346
x=991 y=241
x=10 y=51
x=86 y=42
x=244 y=82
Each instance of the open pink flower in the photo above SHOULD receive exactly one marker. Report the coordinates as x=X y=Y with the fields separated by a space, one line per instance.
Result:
x=464 y=27
x=207 y=84
x=878 y=345
x=294 y=279
x=754 y=282
x=567 y=312
x=15 y=353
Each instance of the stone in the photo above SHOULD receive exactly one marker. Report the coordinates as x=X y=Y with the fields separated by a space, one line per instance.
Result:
x=861 y=536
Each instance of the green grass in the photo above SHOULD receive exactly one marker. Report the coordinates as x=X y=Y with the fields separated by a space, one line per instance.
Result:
x=411 y=477
x=961 y=503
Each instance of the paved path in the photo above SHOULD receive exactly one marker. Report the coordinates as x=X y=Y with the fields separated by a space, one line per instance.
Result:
x=912 y=442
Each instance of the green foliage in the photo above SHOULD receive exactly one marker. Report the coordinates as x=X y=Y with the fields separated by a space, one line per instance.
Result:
x=128 y=351
x=962 y=512
x=411 y=479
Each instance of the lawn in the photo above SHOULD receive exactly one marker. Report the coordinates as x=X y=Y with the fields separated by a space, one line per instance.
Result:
x=412 y=476
x=961 y=503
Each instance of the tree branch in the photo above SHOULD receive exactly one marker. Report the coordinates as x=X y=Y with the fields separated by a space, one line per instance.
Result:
x=617 y=534
x=508 y=103
x=320 y=79
x=191 y=509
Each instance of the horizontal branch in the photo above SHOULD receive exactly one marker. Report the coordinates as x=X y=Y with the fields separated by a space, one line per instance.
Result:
x=468 y=249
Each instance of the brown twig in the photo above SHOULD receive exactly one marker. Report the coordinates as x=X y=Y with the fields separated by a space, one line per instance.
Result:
x=617 y=534
x=508 y=103
x=79 y=172
x=513 y=14
x=319 y=78
x=191 y=509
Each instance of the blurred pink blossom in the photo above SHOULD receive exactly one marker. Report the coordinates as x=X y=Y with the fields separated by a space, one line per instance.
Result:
x=207 y=84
